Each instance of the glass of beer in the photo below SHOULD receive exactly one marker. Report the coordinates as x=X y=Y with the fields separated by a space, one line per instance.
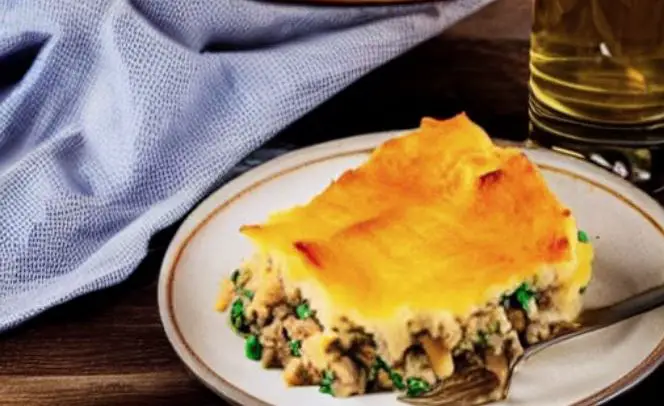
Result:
x=597 y=83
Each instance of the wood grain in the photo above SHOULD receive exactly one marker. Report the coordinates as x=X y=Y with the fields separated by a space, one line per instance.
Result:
x=108 y=348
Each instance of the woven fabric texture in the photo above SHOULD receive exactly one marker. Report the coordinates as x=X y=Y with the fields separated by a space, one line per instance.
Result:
x=116 y=117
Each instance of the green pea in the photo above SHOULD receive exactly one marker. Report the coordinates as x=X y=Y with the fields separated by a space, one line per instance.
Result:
x=523 y=294
x=303 y=311
x=253 y=348
x=237 y=307
x=583 y=236
x=397 y=380
x=237 y=315
x=416 y=386
x=326 y=383
x=295 y=347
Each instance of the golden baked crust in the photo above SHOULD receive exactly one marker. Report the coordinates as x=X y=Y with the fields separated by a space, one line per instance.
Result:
x=438 y=219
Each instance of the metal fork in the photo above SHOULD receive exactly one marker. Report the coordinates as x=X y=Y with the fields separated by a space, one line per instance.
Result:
x=478 y=385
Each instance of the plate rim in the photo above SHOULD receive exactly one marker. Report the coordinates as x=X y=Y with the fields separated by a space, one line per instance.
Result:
x=211 y=205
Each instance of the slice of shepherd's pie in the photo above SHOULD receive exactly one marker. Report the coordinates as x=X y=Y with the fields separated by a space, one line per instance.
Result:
x=442 y=251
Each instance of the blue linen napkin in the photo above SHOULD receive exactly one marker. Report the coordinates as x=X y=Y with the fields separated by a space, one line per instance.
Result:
x=116 y=117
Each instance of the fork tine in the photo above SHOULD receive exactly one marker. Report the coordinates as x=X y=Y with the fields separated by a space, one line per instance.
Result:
x=474 y=386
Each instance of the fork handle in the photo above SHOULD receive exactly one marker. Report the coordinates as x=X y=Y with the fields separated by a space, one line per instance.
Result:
x=633 y=306
x=595 y=319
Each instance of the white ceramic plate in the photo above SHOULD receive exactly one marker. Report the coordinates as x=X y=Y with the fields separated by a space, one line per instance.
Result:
x=627 y=228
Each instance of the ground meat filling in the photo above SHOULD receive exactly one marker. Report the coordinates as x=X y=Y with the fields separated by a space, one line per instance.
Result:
x=281 y=331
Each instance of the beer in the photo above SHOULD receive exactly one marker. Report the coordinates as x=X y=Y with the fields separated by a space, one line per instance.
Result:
x=597 y=78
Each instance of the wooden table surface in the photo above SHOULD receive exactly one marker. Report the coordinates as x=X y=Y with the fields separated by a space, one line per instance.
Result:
x=109 y=348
